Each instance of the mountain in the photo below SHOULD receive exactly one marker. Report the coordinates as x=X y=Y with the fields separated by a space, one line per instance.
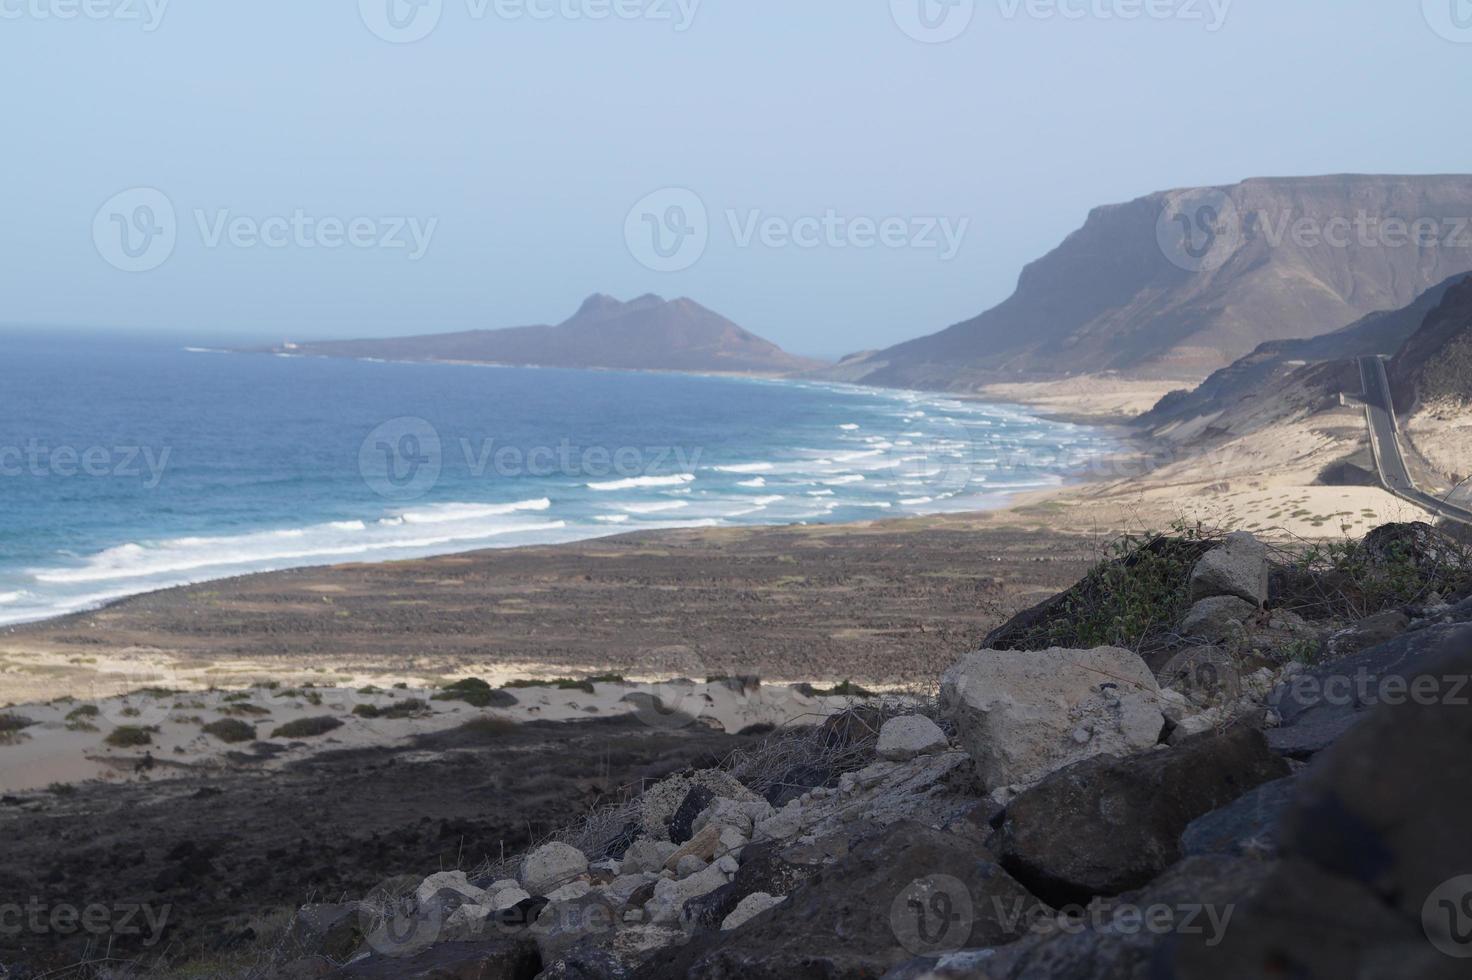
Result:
x=1267 y=259
x=1250 y=383
x=1435 y=365
x=648 y=333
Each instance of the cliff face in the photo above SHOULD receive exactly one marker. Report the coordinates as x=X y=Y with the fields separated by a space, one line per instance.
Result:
x=1267 y=259
x=1435 y=365
x=648 y=333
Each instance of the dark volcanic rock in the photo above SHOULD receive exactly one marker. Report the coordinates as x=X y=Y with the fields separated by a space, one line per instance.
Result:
x=681 y=821
x=909 y=885
x=763 y=869
x=500 y=959
x=1246 y=826
x=1108 y=824
x=1319 y=706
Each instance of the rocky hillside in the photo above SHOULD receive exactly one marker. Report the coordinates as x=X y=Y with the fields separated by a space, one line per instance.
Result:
x=1254 y=383
x=1204 y=761
x=1267 y=260
x=647 y=334
x=1435 y=365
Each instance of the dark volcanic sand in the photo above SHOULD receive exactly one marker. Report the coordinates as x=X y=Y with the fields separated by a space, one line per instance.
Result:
x=885 y=603
x=217 y=853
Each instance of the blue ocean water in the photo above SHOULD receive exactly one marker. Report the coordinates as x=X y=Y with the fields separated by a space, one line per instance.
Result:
x=127 y=466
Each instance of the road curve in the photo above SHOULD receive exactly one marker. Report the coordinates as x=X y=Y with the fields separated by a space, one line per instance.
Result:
x=1385 y=443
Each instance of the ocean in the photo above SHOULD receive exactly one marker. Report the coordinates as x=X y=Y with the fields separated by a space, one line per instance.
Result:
x=133 y=465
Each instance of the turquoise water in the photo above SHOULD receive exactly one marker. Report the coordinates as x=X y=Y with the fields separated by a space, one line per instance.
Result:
x=131 y=466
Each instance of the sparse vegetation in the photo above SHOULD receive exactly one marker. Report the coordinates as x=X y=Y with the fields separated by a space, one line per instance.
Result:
x=11 y=726
x=231 y=730
x=307 y=727
x=82 y=712
x=848 y=689
x=131 y=736
x=472 y=690
x=488 y=727
x=407 y=708
x=561 y=683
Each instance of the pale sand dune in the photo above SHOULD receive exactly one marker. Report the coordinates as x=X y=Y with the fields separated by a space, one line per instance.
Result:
x=1444 y=439
x=63 y=749
x=1087 y=396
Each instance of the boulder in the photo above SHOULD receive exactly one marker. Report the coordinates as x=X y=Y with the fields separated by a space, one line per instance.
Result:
x=1316 y=707
x=1109 y=824
x=1247 y=827
x=703 y=846
x=767 y=869
x=647 y=855
x=453 y=881
x=907 y=885
x=1206 y=675
x=1369 y=632
x=749 y=908
x=1236 y=567
x=562 y=925
x=659 y=803
x=1023 y=715
x=551 y=866
x=670 y=894
x=901 y=739
x=681 y=823
x=1219 y=619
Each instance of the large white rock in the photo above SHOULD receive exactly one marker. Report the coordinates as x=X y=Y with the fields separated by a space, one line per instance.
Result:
x=551 y=866
x=671 y=894
x=454 y=881
x=647 y=855
x=749 y=908
x=902 y=739
x=1238 y=566
x=1024 y=714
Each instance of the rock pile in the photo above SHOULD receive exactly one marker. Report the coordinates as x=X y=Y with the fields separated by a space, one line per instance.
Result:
x=1087 y=817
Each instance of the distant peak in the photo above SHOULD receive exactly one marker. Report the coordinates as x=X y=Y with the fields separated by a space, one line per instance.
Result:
x=599 y=303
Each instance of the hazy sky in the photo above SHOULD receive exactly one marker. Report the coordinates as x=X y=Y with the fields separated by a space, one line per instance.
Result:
x=516 y=137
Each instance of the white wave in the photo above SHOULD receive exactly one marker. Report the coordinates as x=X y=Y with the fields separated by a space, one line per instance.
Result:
x=637 y=482
x=204 y=350
x=747 y=468
x=448 y=513
x=613 y=518
x=758 y=482
x=843 y=481
x=654 y=508
x=10 y=598
x=316 y=545
x=915 y=501
x=768 y=501
x=349 y=525
x=849 y=427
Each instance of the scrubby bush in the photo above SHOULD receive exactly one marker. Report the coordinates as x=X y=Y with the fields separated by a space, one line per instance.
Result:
x=307 y=727
x=131 y=736
x=407 y=708
x=231 y=730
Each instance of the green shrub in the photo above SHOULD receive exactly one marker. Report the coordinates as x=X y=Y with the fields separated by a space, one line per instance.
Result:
x=472 y=690
x=407 y=708
x=131 y=736
x=83 y=711
x=231 y=730
x=848 y=689
x=307 y=727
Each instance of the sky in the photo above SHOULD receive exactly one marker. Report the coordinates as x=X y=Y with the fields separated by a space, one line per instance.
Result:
x=834 y=175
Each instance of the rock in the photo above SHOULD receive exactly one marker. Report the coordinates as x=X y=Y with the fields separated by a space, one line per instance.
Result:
x=551 y=866
x=648 y=855
x=682 y=820
x=749 y=908
x=1219 y=619
x=1018 y=714
x=1204 y=674
x=503 y=958
x=1316 y=707
x=508 y=898
x=731 y=813
x=904 y=738
x=689 y=865
x=1369 y=632
x=670 y=894
x=1112 y=940
x=1246 y=827
x=334 y=931
x=907 y=885
x=703 y=846
x=783 y=825
x=453 y=881
x=562 y=925
x=1108 y=824
x=585 y=961
x=1236 y=567
x=660 y=802
x=766 y=869
x=574 y=889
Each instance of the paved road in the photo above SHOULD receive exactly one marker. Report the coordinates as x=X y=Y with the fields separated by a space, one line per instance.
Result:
x=1380 y=416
